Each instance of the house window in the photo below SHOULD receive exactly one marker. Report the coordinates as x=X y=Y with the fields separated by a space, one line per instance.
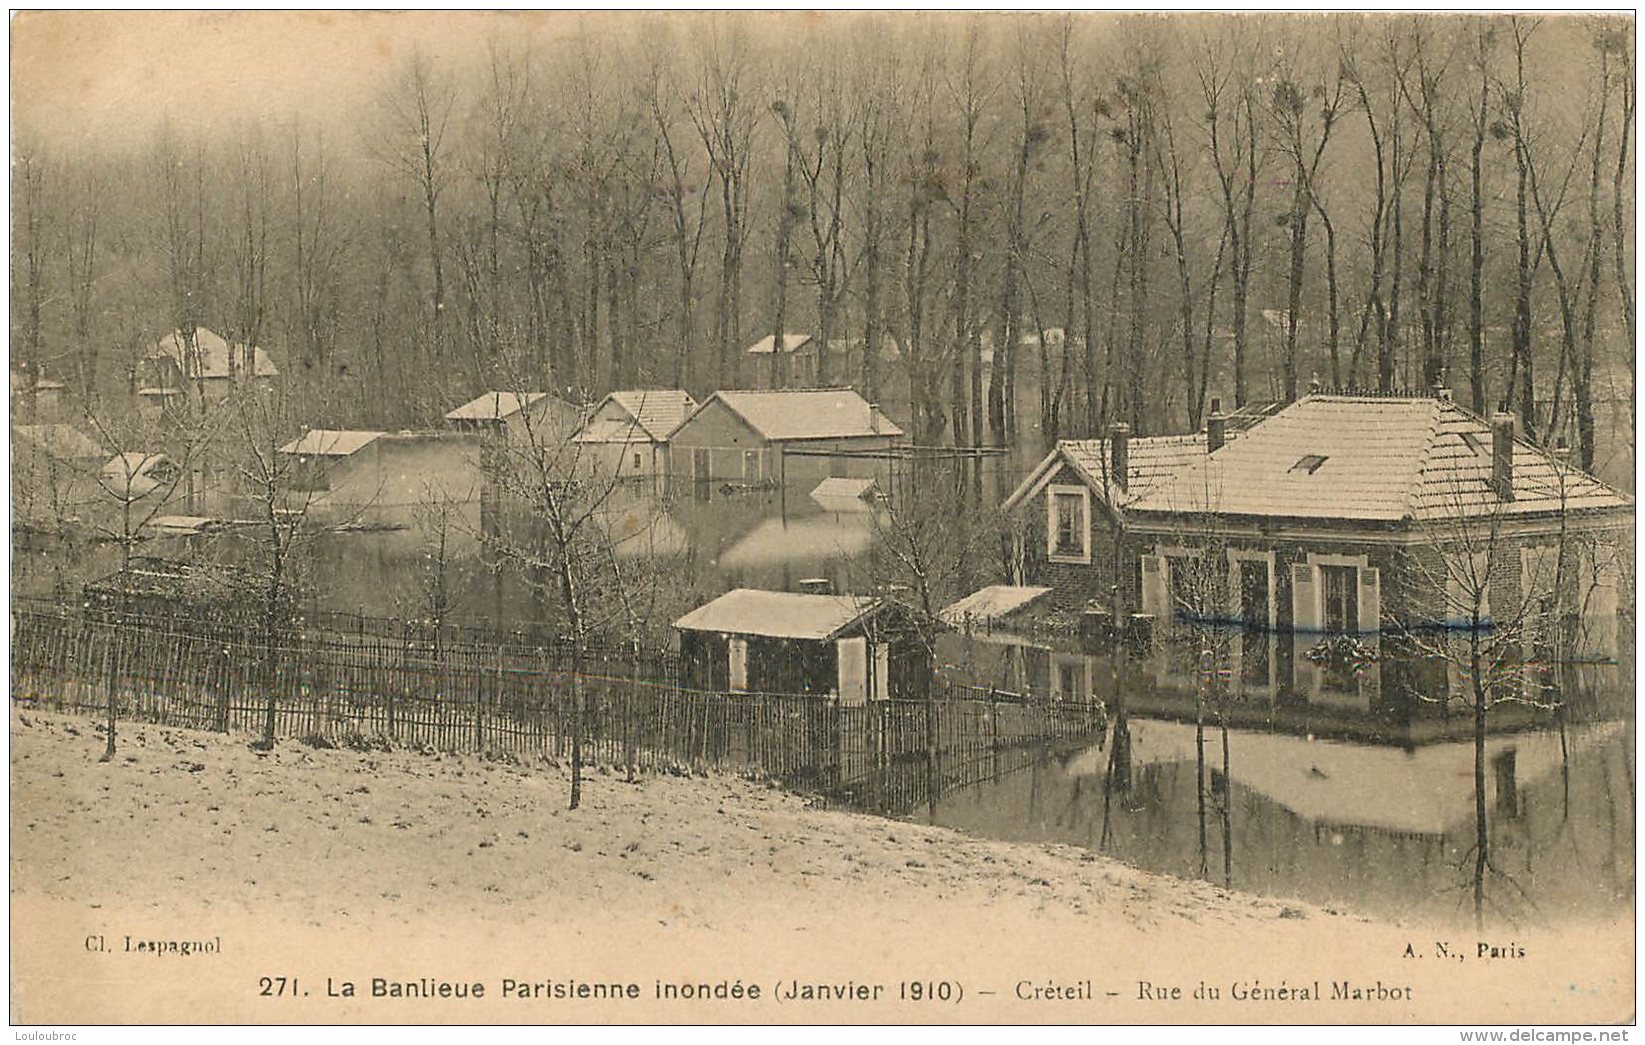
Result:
x=1068 y=524
x=636 y=460
x=751 y=466
x=1339 y=598
x=1069 y=680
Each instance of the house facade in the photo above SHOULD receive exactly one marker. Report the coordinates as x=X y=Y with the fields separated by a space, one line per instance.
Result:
x=788 y=439
x=200 y=363
x=1343 y=550
x=627 y=435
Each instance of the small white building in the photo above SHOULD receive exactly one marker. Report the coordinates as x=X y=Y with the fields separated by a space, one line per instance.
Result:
x=627 y=434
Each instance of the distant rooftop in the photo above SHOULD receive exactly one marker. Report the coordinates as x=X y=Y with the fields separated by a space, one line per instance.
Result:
x=809 y=413
x=494 y=406
x=210 y=357
x=64 y=442
x=326 y=442
x=767 y=345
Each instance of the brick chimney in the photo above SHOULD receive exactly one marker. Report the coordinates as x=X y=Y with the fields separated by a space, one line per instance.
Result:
x=1119 y=454
x=1216 y=432
x=1502 y=456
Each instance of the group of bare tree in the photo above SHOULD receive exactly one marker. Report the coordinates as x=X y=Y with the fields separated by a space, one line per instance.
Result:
x=1158 y=208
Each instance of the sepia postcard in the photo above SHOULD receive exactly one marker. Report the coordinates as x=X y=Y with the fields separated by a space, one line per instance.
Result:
x=822 y=518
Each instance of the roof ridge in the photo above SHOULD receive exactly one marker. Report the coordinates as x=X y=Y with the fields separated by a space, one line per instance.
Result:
x=1413 y=489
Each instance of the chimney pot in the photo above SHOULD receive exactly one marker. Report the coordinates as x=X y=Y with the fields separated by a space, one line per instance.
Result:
x=1442 y=393
x=1216 y=432
x=1119 y=454
x=1216 y=405
x=1502 y=456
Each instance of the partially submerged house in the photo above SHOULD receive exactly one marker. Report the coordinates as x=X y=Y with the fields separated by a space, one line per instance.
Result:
x=199 y=363
x=749 y=640
x=627 y=434
x=517 y=419
x=383 y=478
x=1015 y=639
x=781 y=438
x=786 y=362
x=1340 y=517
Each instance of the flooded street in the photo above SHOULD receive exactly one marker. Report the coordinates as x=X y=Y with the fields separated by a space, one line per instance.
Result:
x=1380 y=830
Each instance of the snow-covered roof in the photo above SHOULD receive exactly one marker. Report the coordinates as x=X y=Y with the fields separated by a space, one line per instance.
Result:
x=778 y=614
x=808 y=413
x=327 y=442
x=1150 y=461
x=991 y=604
x=494 y=406
x=767 y=345
x=212 y=352
x=837 y=488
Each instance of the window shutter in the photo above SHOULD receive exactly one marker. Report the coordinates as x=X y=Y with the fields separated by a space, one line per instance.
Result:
x=1153 y=589
x=1370 y=602
x=1370 y=627
x=1599 y=631
x=1304 y=627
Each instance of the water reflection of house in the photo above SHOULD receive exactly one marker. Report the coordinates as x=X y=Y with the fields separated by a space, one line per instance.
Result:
x=626 y=435
x=342 y=476
x=749 y=640
x=791 y=438
x=1328 y=517
x=1421 y=790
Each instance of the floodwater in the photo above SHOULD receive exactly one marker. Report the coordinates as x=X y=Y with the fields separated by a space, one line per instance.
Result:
x=1381 y=830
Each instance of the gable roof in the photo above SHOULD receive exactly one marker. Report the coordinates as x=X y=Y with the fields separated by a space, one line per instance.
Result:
x=326 y=442
x=652 y=413
x=767 y=345
x=494 y=406
x=1371 y=459
x=1150 y=461
x=213 y=354
x=64 y=442
x=778 y=614
x=128 y=475
x=807 y=413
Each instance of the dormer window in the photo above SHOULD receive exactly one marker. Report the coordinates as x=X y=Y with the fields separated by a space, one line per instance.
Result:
x=1309 y=464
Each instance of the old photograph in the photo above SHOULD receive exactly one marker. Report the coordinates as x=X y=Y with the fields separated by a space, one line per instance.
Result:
x=822 y=517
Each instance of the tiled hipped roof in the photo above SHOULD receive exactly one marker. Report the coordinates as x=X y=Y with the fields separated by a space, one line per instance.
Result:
x=1352 y=458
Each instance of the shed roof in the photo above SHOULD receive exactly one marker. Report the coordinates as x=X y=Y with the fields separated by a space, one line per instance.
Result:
x=494 y=406
x=767 y=345
x=327 y=442
x=64 y=442
x=838 y=488
x=991 y=604
x=808 y=413
x=212 y=352
x=778 y=614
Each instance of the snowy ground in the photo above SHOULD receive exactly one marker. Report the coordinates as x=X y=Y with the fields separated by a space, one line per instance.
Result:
x=349 y=865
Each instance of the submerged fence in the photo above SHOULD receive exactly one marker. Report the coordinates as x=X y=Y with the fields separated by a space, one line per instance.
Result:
x=516 y=700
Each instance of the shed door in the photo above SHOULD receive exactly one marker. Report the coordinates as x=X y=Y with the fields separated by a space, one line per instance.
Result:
x=739 y=664
x=882 y=671
x=853 y=656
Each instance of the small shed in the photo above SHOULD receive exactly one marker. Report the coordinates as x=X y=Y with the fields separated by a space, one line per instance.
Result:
x=749 y=640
